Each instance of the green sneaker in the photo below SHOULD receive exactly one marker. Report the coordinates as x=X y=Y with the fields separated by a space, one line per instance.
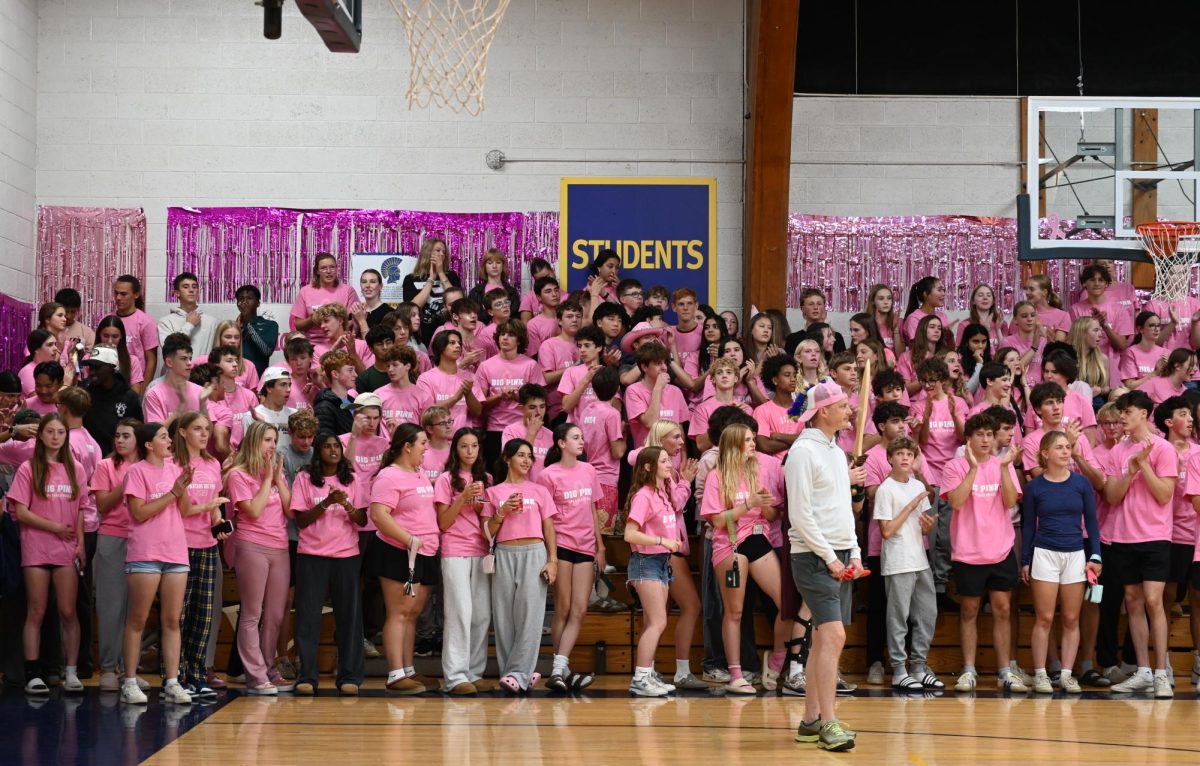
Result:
x=834 y=737
x=808 y=732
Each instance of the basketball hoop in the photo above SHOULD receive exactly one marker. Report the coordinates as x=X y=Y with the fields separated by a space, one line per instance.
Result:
x=449 y=41
x=1173 y=246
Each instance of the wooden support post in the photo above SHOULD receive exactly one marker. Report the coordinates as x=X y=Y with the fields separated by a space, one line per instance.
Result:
x=771 y=66
x=1145 y=201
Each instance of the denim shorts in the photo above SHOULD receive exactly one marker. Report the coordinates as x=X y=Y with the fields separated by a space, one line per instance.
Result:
x=155 y=567
x=650 y=567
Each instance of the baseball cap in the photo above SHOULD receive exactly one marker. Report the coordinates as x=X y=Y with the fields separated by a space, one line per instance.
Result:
x=102 y=355
x=821 y=395
x=367 y=400
x=272 y=374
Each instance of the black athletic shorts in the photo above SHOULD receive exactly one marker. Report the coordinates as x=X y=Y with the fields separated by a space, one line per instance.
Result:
x=755 y=547
x=1134 y=563
x=574 y=557
x=389 y=562
x=1181 y=563
x=975 y=580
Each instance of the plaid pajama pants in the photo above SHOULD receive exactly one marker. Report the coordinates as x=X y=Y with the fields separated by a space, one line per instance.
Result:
x=197 y=614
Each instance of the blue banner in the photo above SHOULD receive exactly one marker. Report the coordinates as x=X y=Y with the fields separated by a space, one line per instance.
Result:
x=664 y=230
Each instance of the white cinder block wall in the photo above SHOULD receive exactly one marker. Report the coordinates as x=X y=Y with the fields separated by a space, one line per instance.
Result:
x=18 y=150
x=153 y=103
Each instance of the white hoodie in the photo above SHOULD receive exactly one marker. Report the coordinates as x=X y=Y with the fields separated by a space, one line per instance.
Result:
x=818 y=491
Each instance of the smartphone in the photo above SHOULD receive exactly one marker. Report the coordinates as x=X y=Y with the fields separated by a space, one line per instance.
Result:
x=224 y=526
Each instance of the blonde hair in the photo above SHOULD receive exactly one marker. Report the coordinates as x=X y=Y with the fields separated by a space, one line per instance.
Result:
x=421 y=270
x=494 y=254
x=222 y=326
x=1044 y=283
x=822 y=369
x=1046 y=443
x=733 y=465
x=659 y=431
x=722 y=363
x=1093 y=363
x=330 y=310
x=250 y=457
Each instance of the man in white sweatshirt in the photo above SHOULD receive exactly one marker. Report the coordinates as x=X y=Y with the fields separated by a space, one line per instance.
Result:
x=187 y=317
x=825 y=554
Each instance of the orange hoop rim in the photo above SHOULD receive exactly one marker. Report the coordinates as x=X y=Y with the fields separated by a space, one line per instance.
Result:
x=1170 y=228
x=1161 y=239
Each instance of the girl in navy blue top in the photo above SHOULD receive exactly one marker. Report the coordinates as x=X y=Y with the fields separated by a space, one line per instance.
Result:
x=1055 y=507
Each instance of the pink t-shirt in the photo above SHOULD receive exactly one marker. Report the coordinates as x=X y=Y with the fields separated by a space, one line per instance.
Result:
x=1183 y=523
x=556 y=354
x=270 y=528
x=741 y=392
x=409 y=498
x=981 y=531
x=906 y=366
x=297 y=399
x=464 y=536
x=704 y=410
x=1055 y=318
x=1076 y=409
x=161 y=537
x=361 y=350
x=439 y=386
x=1185 y=307
x=574 y=490
x=529 y=302
x=688 y=344
x=141 y=335
x=541 y=444
x=435 y=462
x=312 y=298
x=406 y=404
x=601 y=425
x=108 y=477
x=240 y=399
x=568 y=383
x=713 y=503
x=537 y=505
x=499 y=374
x=672 y=406
x=1159 y=389
x=1033 y=373
x=39 y=547
x=1139 y=518
x=1119 y=317
x=773 y=419
x=943 y=439
x=878 y=468
x=162 y=401
x=1191 y=489
x=333 y=535
x=538 y=329
x=205 y=487
x=654 y=513
x=248 y=379
x=40 y=407
x=1138 y=363
x=914 y=319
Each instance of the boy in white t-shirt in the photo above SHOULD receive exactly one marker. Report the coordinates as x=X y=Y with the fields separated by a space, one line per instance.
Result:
x=901 y=505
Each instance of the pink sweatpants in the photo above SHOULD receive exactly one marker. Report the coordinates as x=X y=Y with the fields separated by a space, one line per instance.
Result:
x=263 y=575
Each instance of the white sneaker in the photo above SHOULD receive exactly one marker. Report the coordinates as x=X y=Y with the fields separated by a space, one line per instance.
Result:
x=109 y=681
x=658 y=679
x=875 y=674
x=1042 y=685
x=1026 y=679
x=1134 y=684
x=1162 y=688
x=72 y=684
x=966 y=682
x=721 y=676
x=1011 y=682
x=369 y=648
x=796 y=684
x=143 y=684
x=646 y=686
x=174 y=693
x=131 y=694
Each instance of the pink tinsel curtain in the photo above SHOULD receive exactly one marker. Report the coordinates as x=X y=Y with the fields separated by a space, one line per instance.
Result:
x=16 y=317
x=84 y=248
x=274 y=247
x=845 y=257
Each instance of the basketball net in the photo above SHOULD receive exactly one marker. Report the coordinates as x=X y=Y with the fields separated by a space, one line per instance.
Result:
x=449 y=41
x=1173 y=246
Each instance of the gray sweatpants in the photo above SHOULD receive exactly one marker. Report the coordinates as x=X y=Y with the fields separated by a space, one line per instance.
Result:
x=939 y=546
x=466 y=596
x=519 y=608
x=112 y=597
x=910 y=599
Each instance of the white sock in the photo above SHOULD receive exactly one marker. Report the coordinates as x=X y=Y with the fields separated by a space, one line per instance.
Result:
x=1039 y=672
x=640 y=673
x=560 y=665
x=1064 y=674
x=1144 y=672
x=72 y=670
x=899 y=673
x=409 y=671
x=130 y=681
x=395 y=675
x=1160 y=673
x=683 y=668
x=1013 y=664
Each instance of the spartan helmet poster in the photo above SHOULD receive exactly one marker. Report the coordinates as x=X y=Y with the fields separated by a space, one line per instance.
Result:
x=394 y=267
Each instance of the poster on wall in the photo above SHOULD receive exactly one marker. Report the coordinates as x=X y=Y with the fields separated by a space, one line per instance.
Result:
x=663 y=229
x=393 y=266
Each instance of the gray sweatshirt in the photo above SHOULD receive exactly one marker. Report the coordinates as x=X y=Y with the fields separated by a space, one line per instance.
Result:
x=818 y=490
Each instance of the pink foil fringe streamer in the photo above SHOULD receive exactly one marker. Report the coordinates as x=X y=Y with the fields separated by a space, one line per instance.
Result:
x=85 y=248
x=273 y=248
x=845 y=257
x=16 y=317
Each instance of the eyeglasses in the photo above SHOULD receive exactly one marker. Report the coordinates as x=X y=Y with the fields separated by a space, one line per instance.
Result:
x=501 y=304
x=632 y=294
x=1109 y=423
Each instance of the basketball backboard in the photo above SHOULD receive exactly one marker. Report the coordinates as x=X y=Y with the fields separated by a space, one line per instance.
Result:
x=1086 y=162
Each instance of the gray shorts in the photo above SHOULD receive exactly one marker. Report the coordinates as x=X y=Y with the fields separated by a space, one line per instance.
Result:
x=827 y=598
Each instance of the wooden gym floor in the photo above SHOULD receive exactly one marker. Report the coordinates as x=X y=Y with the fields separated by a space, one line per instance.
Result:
x=606 y=726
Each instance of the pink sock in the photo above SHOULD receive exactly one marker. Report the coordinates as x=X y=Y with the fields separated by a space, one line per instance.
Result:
x=775 y=661
x=735 y=672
